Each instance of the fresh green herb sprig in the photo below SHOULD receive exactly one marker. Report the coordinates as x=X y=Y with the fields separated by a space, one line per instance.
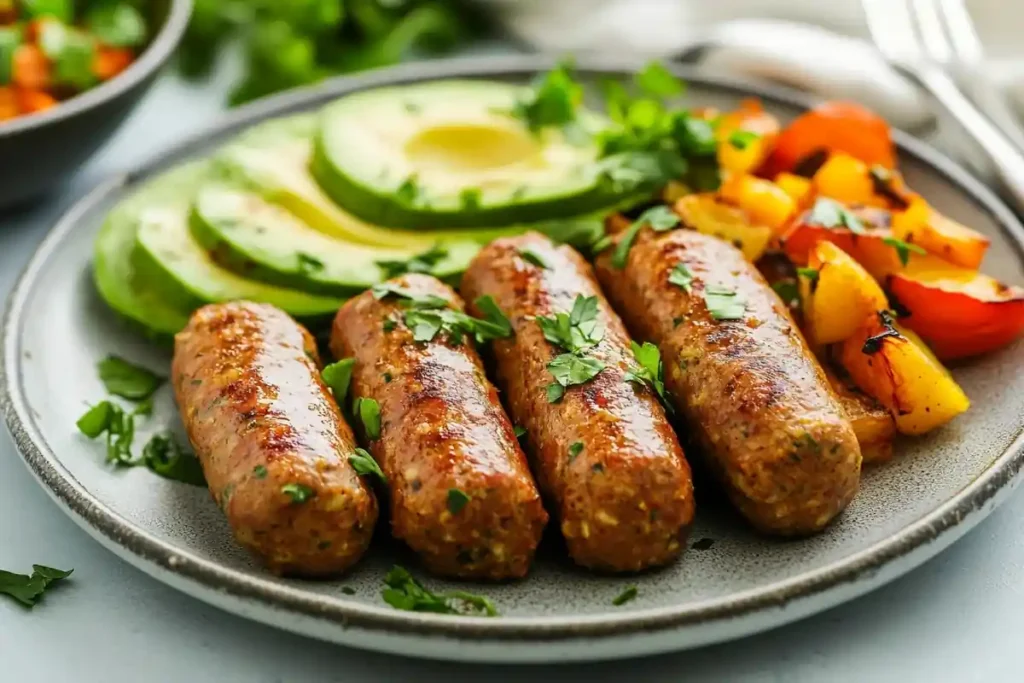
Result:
x=659 y=218
x=576 y=333
x=649 y=371
x=428 y=315
x=128 y=380
x=903 y=249
x=29 y=589
x=288 y=44
x=553 y=100
x=404 y=592
x=338 y=376
x=724 y=303
x=828 y=213
x=366 y=466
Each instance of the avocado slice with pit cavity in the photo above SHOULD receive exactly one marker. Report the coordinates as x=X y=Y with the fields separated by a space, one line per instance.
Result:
x=266 y=242
x=450 y=154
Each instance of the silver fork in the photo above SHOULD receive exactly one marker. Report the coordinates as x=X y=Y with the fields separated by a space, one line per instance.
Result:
x=910 y=34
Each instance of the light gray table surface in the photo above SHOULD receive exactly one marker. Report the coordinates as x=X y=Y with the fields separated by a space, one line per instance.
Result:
x=958 y=618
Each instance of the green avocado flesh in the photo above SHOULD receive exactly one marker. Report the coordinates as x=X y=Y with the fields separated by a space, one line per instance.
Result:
x=448 y=154
x=117 y=274
x=266 y=242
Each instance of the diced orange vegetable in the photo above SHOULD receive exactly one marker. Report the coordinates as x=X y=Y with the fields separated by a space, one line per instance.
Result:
x=833 y=127
x=33 y=101
x=959 y=312
x=871 y=422
x=31 y=68
x=797 y=187
x=109 y=62
x=8 y=104
x=838 y=297
x=892 y=365
x=920 y=224
x=850 y=181
x=707 y=214
x=764 y=201
x=750 y=118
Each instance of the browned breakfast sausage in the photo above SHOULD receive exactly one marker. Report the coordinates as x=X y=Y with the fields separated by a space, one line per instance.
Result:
x=604 y=453
x=273 y=446
x=748 y=386
x=461 y=491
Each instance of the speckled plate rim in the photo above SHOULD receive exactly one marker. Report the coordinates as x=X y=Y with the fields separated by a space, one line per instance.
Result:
x=589 y=637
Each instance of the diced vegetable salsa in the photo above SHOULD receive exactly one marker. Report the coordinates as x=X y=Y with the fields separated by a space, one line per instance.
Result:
x=51 y=50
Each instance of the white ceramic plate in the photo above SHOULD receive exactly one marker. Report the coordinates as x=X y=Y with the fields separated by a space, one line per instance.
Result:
x=936 y=488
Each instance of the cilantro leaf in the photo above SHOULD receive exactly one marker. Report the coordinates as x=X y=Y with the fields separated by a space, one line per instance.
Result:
x=828 y=213
x=494 y=324
x=682 y=277
x=164 y=456
x=553 y=100
x=625 y=596
x=298 y=493
x=555 y=392
x=741 y=139
x=520 y=432
x=533 y=258
x=650 y=371
x=338 y=376
x=811 y=274
x=365 y=465
x=724 y=303
x=127 y=380
x=576 y=331
x=575 y=449
x=657 y=80
x=903 y=249
x=569 y=369
x=660 y=218
x=423 y=262
x=457 y=499
x=404 y=592
x=788 y=291
x=96 y=420
x=368 y=411
x=28 y=589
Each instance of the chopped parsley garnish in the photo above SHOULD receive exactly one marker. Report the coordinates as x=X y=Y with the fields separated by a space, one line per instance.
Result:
x=576 y=331
x=164 y=456
x=494 y=324
x=29 y=589
x=427 y=315
x=569 y=370
x=309 y=264
x=338 y=376
x=741 y=139
x=368 y=412
x=903 y=249
x=649 y=371
x=298 y=493
x=119 y=426
x=520 y=432
x=682 y=277
x=260 y=471
x=810 y=274
x=789 y=291
x=533 y=258
x=127 y=380
x=625 y=596
x=457 y=499
x=423 y=262
x=655 y=79
x=724 y=303
x=828 y=213
x=575 y=449
x=660 y=218
x=553 y=100
x=403 y=592
x=873 y=344
x=408 y=192
x=365 y=465
x=386 y=289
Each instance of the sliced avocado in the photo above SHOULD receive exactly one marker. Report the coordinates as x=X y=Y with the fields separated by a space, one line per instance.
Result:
x=121 y=282
x=450 y=154
x=273 y=159
x=178 y=266
x=266 y=242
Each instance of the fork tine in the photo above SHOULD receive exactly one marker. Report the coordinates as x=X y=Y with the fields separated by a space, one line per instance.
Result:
x=891 y=27
x=933 y=35
x=962 y=32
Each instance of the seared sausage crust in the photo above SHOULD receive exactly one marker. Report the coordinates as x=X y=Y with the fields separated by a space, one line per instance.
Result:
x=273 y=446
x=443 y=436
x=623 y=494
x=750 y=389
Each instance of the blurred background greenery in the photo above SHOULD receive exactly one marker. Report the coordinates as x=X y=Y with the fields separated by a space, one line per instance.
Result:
x=288 y=43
